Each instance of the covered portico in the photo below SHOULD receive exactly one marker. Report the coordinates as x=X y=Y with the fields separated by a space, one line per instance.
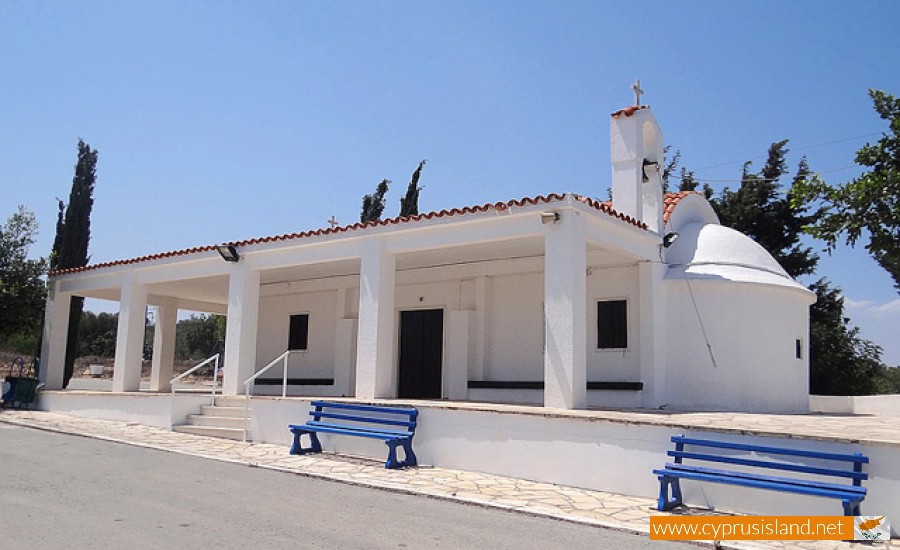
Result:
x=367 y=274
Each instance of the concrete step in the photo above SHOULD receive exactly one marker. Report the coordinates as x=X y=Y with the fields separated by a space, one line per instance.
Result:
x=224 y=411
x=230 y=401
x=224 y=419
x=216 y=421
x=210 y=431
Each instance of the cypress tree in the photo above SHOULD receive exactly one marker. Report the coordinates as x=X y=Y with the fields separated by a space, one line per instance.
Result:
x=73 y=233
x=373 y=205
x=57 y=240
x=409 y=205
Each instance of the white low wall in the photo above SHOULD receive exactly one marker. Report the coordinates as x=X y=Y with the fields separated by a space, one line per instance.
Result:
x=152 y=409
x=587 y=452
x=306 y=391
x=575 y=449
x=884 y=405
x=610 y=399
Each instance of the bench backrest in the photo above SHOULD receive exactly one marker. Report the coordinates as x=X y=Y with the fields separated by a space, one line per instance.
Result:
x=398 y=417
x=856 y=459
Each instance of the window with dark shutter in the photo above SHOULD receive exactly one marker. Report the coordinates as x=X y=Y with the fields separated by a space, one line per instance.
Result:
x=612 y=324
x=298 y=334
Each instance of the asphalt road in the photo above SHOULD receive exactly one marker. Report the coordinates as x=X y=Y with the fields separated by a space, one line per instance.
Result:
x=60 y=491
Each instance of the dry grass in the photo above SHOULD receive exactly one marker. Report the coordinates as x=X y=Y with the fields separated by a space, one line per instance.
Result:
x=82 y=368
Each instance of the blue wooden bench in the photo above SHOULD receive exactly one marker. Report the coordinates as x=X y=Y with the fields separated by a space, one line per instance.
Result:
x=750 y=475
x=394 y=425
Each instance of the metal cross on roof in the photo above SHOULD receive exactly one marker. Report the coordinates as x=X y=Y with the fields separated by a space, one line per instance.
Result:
x=638 y=92
x=333 y=222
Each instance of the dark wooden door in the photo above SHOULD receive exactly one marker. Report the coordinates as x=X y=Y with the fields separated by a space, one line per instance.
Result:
x=421 y=353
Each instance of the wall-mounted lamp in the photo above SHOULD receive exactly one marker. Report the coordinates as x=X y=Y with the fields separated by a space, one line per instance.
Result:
x=228 y=252
x=549 y=217
x=644 y=177
x=669 y=239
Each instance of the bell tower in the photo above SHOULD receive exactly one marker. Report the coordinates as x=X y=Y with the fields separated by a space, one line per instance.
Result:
x=636 y=155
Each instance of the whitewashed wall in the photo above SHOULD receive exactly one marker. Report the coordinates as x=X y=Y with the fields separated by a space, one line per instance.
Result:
x=500 y=336
x=883 y=405
x=152 y=409
x=274 y=322
x=515 y=333
x=588 y=452
x=619 y=283
x=752 y=331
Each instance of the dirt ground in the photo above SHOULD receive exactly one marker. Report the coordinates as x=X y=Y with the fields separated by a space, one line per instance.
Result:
x=82 y=368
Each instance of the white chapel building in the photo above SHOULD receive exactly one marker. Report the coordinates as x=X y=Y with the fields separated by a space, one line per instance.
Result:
x=560 y=301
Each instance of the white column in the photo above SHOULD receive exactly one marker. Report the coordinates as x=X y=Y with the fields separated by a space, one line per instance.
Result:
x=241 y=329
x=164 y=346
x=565 y=298
x=130 y=336
x=375 y=335
x=651 y=277
x=53 y=345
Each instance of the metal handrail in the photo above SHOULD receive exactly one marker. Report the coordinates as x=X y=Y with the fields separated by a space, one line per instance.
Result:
x=250 y=381
x=211 y=359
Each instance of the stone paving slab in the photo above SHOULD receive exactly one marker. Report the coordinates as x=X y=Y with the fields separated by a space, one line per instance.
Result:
x=521 y=496
x=882 y=430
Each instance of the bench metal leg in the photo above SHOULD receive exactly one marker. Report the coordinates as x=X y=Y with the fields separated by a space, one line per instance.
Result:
x=665 y=482
x=314 y=445
x=408 y=460
x=411 y=459
x=851 y=507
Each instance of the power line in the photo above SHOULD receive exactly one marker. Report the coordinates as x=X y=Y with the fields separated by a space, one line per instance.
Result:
x=708 y=180
x=804 y=148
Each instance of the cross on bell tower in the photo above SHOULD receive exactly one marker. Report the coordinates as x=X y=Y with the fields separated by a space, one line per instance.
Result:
x=638 y=92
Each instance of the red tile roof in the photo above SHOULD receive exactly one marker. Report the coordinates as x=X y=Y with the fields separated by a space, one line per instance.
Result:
x=671 y=200
x=499 y=207
x=629 y=111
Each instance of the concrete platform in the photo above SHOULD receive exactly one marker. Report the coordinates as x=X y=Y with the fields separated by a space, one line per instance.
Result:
x=603 y=509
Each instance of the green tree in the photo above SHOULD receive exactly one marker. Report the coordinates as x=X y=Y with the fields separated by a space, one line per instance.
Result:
x=670 y=164
x=60 y=233
x=889 y=381
x=72 y=238
x=689 y=183
x=196 y=336
x=97 y=334
x=373 y=205
x=22 y=289
x=759 y=209
x=868 y=206
x=409 y=205
x=840 y=361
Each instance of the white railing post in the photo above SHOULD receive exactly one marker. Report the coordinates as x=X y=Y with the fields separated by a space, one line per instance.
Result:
x=211 y=359
x=284 y=377
x=246 y=409
x=212 y=400
x=250 y=381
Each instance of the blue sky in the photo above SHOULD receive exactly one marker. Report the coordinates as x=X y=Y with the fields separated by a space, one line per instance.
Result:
x=218 y=121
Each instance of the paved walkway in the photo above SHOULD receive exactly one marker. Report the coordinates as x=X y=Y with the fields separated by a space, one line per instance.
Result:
x=544 y=499
x=882 y=430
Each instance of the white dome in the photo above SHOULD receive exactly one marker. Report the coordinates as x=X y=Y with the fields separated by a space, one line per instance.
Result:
x=712 y=251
